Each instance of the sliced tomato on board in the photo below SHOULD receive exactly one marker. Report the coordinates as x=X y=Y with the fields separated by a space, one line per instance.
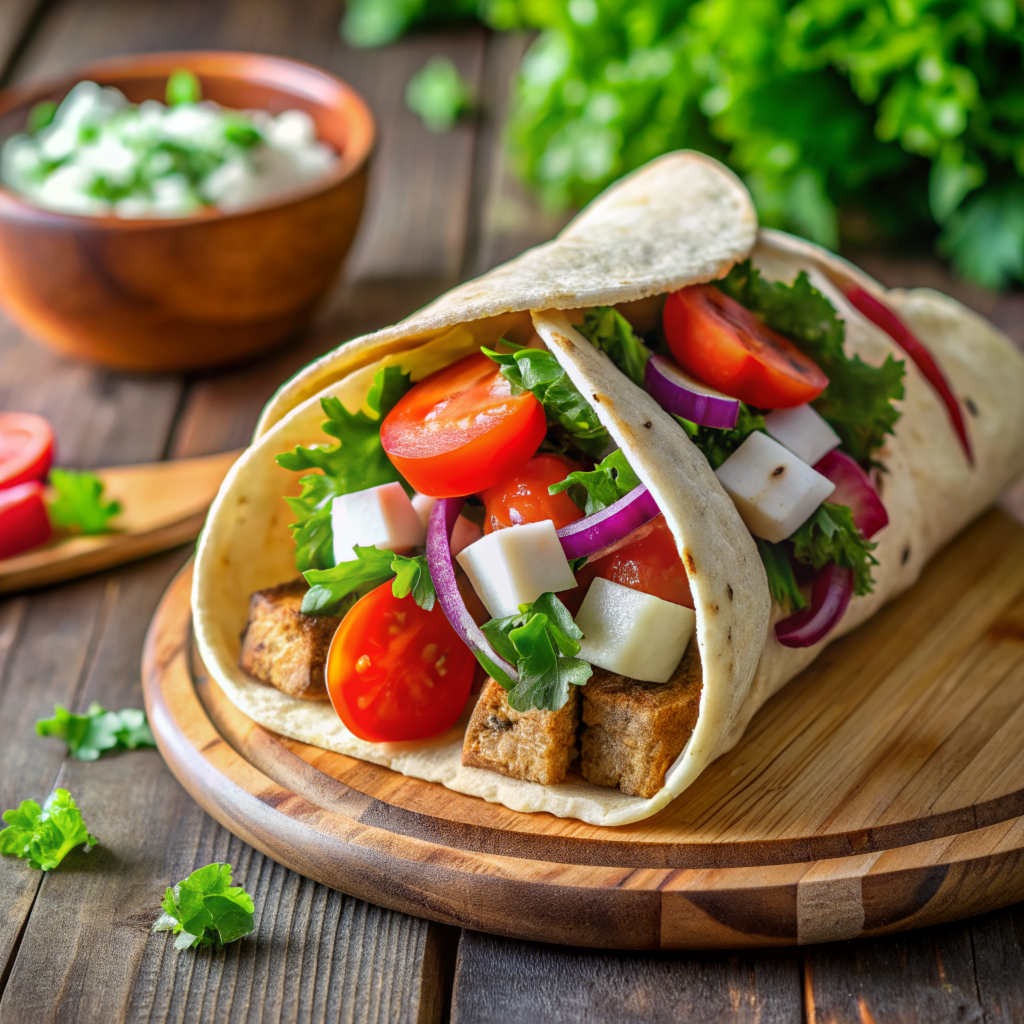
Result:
x=723 y=344
x=461 y=430
x=396 y=672
x=24 y=523
x=524 y=498
x=26 y=448
x=650 y=564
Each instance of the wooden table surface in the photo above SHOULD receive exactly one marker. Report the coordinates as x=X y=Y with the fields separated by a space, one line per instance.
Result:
x=75 y=944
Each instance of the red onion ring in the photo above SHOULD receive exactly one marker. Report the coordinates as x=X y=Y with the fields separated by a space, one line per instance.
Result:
x=443 y=517
x=587 y=536
x=679 y=393
x=855 y=490
x=833 y=588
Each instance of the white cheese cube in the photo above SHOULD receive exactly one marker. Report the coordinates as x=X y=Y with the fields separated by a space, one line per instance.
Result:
x=381 y=517
x=803 y=432
x=516 y=565
x=633 y=634
x=774 y=491
x=465 y=532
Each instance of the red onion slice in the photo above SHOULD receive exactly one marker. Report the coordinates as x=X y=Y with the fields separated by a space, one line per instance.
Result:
x=679 y=393
x=443 y=517
x=604 y=528
x=855 y=490
x=830 y=595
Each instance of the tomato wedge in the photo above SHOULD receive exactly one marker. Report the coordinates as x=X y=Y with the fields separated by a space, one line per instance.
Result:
x=461 y=430
x=651 y=564
x=24 y=523
x=725 y=346
x=525 y=498
x=26 y=448
x=396 y=672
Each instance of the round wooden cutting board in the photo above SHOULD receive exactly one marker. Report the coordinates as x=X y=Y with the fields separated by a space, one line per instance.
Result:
x=883 y=789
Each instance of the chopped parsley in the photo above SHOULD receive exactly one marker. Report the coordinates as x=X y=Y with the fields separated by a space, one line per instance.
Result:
x=205 y=909
x=98 y=730
x=356 y=462
x=45 y=835
x=78 y=506
x=333 y=591
x=829 y=537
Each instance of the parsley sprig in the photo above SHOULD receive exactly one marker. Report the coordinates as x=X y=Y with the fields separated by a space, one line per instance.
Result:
x=98 y=730
x=356 y=462
x=206 y=910
x=536 y=370
x=78 y=505
x=829 y=536
x=45 y=835
x=594 y=490
x=542 y=641
x=333 y=591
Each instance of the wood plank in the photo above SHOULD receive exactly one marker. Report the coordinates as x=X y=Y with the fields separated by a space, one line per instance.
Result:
x=926 y=976
x=501 y=981
x=998 y=941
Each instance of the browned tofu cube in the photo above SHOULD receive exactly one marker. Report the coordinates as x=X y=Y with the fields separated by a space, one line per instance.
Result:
x=285 y=648
x=537 y=746
x=634 y=730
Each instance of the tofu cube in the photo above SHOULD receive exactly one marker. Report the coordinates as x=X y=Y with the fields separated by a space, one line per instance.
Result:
x=516 y=565
x=774 y=491
x=803 y=432
x=381 y=517
x=466 y=532
x=633 y=634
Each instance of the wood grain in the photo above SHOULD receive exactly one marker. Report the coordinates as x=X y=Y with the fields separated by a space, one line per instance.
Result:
x=882 y=790
x=501 y=981
x=164 y=505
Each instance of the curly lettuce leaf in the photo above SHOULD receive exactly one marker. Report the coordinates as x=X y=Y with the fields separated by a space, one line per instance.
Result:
x=45 y=835
x=594 y=490
x=78 y=505
x=829 y=537
x=333 y=591
x=607 y=329
x=356 y=462
x=858 y=400
x=537 y=370
x=542 y=641
x=205 y=909
x=98 y=730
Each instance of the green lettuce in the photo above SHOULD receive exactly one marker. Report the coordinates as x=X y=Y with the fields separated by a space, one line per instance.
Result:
x=333 y=591
x=45 y=835
x=607 y=329
x=205 y=909
x=98 y=730
x=78 y=505
x=829 y=537
x=594 y=490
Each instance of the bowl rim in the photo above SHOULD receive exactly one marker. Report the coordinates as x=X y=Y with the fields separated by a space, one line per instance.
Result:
x=321 y=85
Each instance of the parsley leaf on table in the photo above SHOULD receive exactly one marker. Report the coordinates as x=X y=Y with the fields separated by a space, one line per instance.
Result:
x=607 y=329
x=98 y=730
x=858 y=400
x=357 y=462
x=829 y=536
x=45 y=835
x=206 y=910
x=79 y=506
x=594 y=490
x=536 y=370
x=542 y=640
x=333 y=591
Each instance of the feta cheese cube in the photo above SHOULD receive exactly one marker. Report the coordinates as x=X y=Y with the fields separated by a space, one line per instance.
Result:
x=774 y=491
x=633 y=634
x=465 y=532
x=516 y=565
x=381 y=517
x=803 y=432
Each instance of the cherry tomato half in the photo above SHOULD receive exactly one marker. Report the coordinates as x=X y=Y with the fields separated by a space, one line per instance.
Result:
x=650 y=564
x=461 y=430
x=524 y=498
x=26 y=448
x=397 y=672
x=724 y=345
x=24 y=523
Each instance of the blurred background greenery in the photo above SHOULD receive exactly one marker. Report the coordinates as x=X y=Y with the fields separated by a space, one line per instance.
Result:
x=879 y=122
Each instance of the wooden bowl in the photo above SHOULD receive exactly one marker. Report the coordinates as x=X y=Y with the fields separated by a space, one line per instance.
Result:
x=191 y=292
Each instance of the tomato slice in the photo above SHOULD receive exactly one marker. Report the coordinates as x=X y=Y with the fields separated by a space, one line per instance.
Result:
x=24 y=523
x=725 y=346
x=396 y=672
x=461 y=430
x=650 y=564
x=26 y=448
x=525 y=499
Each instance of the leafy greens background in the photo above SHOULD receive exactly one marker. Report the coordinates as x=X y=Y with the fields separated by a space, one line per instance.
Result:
x=889 y=121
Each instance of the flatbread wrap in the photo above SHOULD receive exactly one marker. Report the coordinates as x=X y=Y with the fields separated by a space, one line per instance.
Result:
x=704 y=587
